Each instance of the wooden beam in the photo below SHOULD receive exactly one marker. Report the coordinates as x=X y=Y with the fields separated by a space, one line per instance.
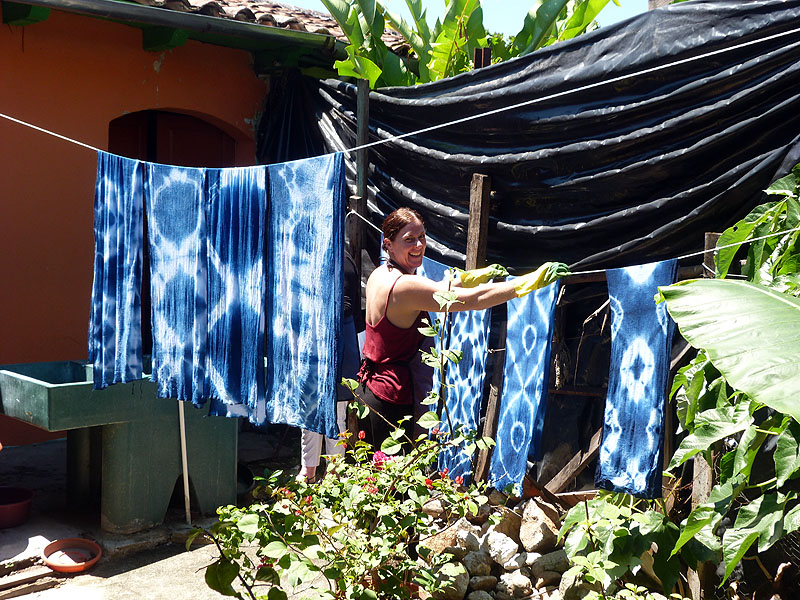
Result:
x=358 y=203
x=478 y=225
x=21 y=15
x=576 y=465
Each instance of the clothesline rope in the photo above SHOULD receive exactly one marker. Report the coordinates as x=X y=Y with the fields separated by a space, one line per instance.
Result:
x=690 y=255
x=495 y=111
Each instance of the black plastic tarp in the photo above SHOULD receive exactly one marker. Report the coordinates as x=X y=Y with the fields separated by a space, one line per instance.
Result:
x=643 y=136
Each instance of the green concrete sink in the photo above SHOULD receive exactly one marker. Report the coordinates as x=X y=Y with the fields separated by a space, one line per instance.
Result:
x=60 y=395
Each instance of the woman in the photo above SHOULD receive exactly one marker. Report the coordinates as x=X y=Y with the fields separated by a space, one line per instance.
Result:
x=398 y=300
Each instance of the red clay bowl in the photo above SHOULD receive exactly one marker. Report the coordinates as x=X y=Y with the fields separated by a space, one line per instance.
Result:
x=71 y=555
x=15 y=505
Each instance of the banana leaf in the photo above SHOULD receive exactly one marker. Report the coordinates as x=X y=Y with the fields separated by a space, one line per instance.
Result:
x=751 y=334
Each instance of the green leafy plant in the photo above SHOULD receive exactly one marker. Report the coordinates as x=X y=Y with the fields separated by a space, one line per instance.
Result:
x=446 y=48
x=359 y=532
x=731 y=399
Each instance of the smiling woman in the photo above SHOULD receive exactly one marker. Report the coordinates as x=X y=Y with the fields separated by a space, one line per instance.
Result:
x=393 y=379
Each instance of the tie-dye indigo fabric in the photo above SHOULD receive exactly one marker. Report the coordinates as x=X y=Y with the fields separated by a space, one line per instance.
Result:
x=631 y=454
x=115 y=325
x=236 y=205
x=529 y=338
x=305 y=248
x=470 y=334
x=176 y=231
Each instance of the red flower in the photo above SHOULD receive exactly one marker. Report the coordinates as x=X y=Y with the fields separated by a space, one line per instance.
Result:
x=459 y=480
x=372 y=490
x=298 y=512
x=371 y=479
x=361 y=434
x=435 y=431
x=444 y=472
x=308 y=499
x=378 y=460
x=429 y=484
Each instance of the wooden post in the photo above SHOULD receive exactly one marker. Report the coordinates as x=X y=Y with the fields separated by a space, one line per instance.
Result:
x=478 y=225
x=477 y=233
x=701 y=582
x=358 y=203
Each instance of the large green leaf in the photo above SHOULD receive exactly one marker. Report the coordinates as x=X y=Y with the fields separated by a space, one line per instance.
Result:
x=538 y=22
x=787 y=453
x=583 y=16
x=751 y=333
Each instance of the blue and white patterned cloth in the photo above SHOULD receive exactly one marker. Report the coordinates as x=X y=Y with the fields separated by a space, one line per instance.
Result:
x=237 y=211
x=176 y=220
x=469 y=333
x=525 y=378
x=304 y=292
x=115 y=325
x=631 y=454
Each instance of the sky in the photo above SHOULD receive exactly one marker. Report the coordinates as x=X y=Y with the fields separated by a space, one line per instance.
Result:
x=504 y=16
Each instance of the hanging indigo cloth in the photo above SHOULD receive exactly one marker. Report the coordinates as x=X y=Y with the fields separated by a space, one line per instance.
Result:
x=631 y=454
x=469 y=333
x=176 y=231
x=115 y=324
x=525 y=377
x=236 y=205
x=305 y=247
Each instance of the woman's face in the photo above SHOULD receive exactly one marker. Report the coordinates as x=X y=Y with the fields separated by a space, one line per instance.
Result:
x=408 y=246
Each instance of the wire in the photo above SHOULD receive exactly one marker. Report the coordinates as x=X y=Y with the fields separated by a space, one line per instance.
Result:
x=588 y=86
x=375 y=227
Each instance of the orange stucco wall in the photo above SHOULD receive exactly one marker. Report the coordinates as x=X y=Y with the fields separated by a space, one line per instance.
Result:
x=73 y=75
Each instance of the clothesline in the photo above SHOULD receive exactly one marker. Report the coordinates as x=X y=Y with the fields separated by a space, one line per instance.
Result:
x=690 y=255
x=495 y=111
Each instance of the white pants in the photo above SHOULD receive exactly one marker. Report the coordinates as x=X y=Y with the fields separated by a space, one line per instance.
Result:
x=311 y=442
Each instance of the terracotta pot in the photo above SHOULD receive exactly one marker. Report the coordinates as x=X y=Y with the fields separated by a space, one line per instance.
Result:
x=15 y=505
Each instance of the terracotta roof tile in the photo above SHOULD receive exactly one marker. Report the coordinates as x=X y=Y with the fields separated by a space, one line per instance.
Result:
x=269 y=14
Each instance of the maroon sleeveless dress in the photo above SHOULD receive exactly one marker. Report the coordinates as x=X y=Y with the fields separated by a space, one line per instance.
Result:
x=388 y=350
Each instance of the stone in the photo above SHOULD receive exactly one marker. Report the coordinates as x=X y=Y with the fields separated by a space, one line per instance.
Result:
x=479 y=595
x=500 y=595
x=531 y=557
x=539 y=528
x=483 y=582
x=510 y=522
x=467 y=535
x=516 y=584
x=499 y=546
x=457 y=580
x=553 y=593
x=547 y=578
x=552 y=462
x=440 y=541
x=479 y=518
x=456 y=552
x=477 y=563
x=552 y=561
x=433 y=508
x=574 y=588
x=497 y=498
x=516 y=562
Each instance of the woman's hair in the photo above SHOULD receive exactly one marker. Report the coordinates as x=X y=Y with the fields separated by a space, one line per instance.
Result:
x=398 y=219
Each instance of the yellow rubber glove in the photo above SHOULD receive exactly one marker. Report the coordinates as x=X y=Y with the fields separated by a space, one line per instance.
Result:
x=477 y=276
x=541 y=277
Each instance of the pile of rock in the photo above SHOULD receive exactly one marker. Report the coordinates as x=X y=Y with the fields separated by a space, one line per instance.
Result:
x=516 y=558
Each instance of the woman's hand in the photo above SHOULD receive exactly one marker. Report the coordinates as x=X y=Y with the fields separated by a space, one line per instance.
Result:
x=477 y=276
x=541 y=277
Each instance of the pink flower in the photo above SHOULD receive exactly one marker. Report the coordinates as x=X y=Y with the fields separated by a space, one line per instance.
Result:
x=459 y=480
x=378 y=459
x=429 y=484
x=361 y=434
x=372 y=490
x=435 y=431
x=444 y=472
x=371 y=479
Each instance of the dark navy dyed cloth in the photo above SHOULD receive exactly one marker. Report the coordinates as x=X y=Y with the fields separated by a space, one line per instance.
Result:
x=631 y=454
x=525 y=378
x=469 y=333
x=305 y=248
x=176 y=221
x=115 y=325
x=237 y=211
